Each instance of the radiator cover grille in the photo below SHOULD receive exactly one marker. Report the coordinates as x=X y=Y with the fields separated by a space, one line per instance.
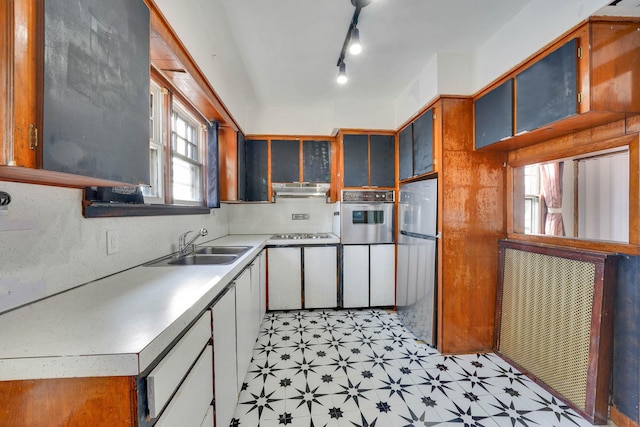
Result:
x=554 y=321
x=546 y=311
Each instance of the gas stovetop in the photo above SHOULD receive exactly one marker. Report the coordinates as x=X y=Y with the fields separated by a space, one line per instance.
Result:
x=300 y=236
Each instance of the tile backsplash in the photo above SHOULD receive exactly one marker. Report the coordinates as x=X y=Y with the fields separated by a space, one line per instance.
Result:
x=280 y=217
x=47 y=246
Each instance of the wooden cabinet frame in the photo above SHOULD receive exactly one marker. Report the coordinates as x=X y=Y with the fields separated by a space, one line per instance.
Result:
x=607 y=47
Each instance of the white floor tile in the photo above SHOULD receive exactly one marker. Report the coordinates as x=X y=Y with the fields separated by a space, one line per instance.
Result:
x=362 y=368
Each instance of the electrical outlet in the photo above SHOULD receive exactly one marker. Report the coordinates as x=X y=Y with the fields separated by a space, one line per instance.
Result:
x=113 y=242
x=299 y=217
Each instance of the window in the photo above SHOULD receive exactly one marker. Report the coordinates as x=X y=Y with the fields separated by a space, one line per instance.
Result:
x=187 y=136
x=582 y=197
x=155 y=192
x=176 y=152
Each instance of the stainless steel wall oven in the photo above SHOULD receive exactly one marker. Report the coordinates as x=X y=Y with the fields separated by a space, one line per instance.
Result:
x=367 y=216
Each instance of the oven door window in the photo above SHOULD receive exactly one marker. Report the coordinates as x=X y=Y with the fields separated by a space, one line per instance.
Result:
x=367 y=217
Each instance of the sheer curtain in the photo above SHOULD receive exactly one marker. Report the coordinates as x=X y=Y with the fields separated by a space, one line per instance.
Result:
x=551 y=179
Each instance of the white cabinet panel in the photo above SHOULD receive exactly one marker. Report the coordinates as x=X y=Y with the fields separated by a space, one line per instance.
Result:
x=285 y=278
x=225 y=364
x=192 y=400
x=263 y=284
x=167 y=375
x=355 y=279
x=246 y=319
x=255 y=299
x=208 y=418
x=382 y=261
x=320 y=277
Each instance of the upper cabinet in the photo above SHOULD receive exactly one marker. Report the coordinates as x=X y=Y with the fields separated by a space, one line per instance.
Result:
x=416 y=147
x=369 y=160
x=587 y=78
x=285 y=161
x=80 y=94
x=268 y=161
x=257 y=171
x=494 y=115
x=546 y=91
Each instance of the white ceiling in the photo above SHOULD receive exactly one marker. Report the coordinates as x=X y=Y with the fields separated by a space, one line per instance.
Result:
x=273 y=62
x=290 y=48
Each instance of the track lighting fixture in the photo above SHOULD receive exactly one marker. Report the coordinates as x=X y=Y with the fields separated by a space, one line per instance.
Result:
x=352 y=40
x=342 y=74
x=354 y=44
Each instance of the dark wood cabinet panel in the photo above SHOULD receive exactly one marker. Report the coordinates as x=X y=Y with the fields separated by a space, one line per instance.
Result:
x=96 y=89
x=405 y=142
x=285 y=161
x=257 y=157
x=356 y=160
x=546 y=91
x=423 y=144
x=382 y=158
x=317 y=161
x=242 y=169
x=493 y=115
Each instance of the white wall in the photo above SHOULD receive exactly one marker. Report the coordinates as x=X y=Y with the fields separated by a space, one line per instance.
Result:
x=218 y=60
x=535 y=26
x=272 y=218
x=47 y=246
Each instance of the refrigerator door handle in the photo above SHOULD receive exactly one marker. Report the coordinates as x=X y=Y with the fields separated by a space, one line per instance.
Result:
x=420 y=236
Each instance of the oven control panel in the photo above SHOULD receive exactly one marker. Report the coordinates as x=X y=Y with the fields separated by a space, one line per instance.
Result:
x=387 y=196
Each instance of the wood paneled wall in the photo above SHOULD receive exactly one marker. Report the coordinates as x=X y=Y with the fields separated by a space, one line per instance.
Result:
x=471 y=221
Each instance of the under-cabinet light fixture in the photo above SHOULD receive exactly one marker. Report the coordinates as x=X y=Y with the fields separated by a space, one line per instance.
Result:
x=351 y=40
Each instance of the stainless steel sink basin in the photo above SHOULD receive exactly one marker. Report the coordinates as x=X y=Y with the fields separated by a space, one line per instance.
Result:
x=195 y=259
x=234 y=250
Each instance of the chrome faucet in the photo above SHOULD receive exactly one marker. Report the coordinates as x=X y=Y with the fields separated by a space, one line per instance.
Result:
x=186 y=247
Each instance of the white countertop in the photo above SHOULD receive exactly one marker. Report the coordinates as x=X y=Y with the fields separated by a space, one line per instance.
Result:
x=331 y=240
x=117 y=325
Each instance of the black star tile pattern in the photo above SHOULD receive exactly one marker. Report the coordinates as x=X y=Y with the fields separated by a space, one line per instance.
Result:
x=362 y=368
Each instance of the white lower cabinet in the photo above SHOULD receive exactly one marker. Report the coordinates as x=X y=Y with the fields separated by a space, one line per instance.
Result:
x=320 y=277
x=382 y=275
x=285 y=278
x=225 y=357
x=368 y=275
x=246 y=321
x=189 y=405
x=355 y=276
x=262 y=259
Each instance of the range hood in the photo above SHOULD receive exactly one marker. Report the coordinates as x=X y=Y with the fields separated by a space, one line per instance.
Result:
x=299 y=189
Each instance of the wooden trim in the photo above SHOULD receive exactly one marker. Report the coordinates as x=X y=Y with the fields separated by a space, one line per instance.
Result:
x=30 y=175
x=228 y=161
x=620 y=419
x=27 y=63
x=577 y=243
x=70 y=402
x=6 y=80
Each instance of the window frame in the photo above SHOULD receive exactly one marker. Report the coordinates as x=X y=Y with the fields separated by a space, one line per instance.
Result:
x=181 y=111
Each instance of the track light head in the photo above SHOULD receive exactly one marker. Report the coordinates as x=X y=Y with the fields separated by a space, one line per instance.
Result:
x=360 y=3
x=342 y=74
x=354 y=44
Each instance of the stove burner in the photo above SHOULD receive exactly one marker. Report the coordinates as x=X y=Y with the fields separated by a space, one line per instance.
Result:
x=300 y=236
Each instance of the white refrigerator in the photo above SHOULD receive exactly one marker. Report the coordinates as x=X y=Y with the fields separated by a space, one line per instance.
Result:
x=417 y=244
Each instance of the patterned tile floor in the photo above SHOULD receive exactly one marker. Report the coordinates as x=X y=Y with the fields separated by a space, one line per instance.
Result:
x=329 y=368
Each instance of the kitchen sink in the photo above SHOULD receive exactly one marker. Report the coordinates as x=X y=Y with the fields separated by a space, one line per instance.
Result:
x=232 y=250
x=195 y=259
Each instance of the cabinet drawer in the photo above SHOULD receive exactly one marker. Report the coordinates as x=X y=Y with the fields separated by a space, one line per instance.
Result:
x=192 y=400
x=164 y=379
